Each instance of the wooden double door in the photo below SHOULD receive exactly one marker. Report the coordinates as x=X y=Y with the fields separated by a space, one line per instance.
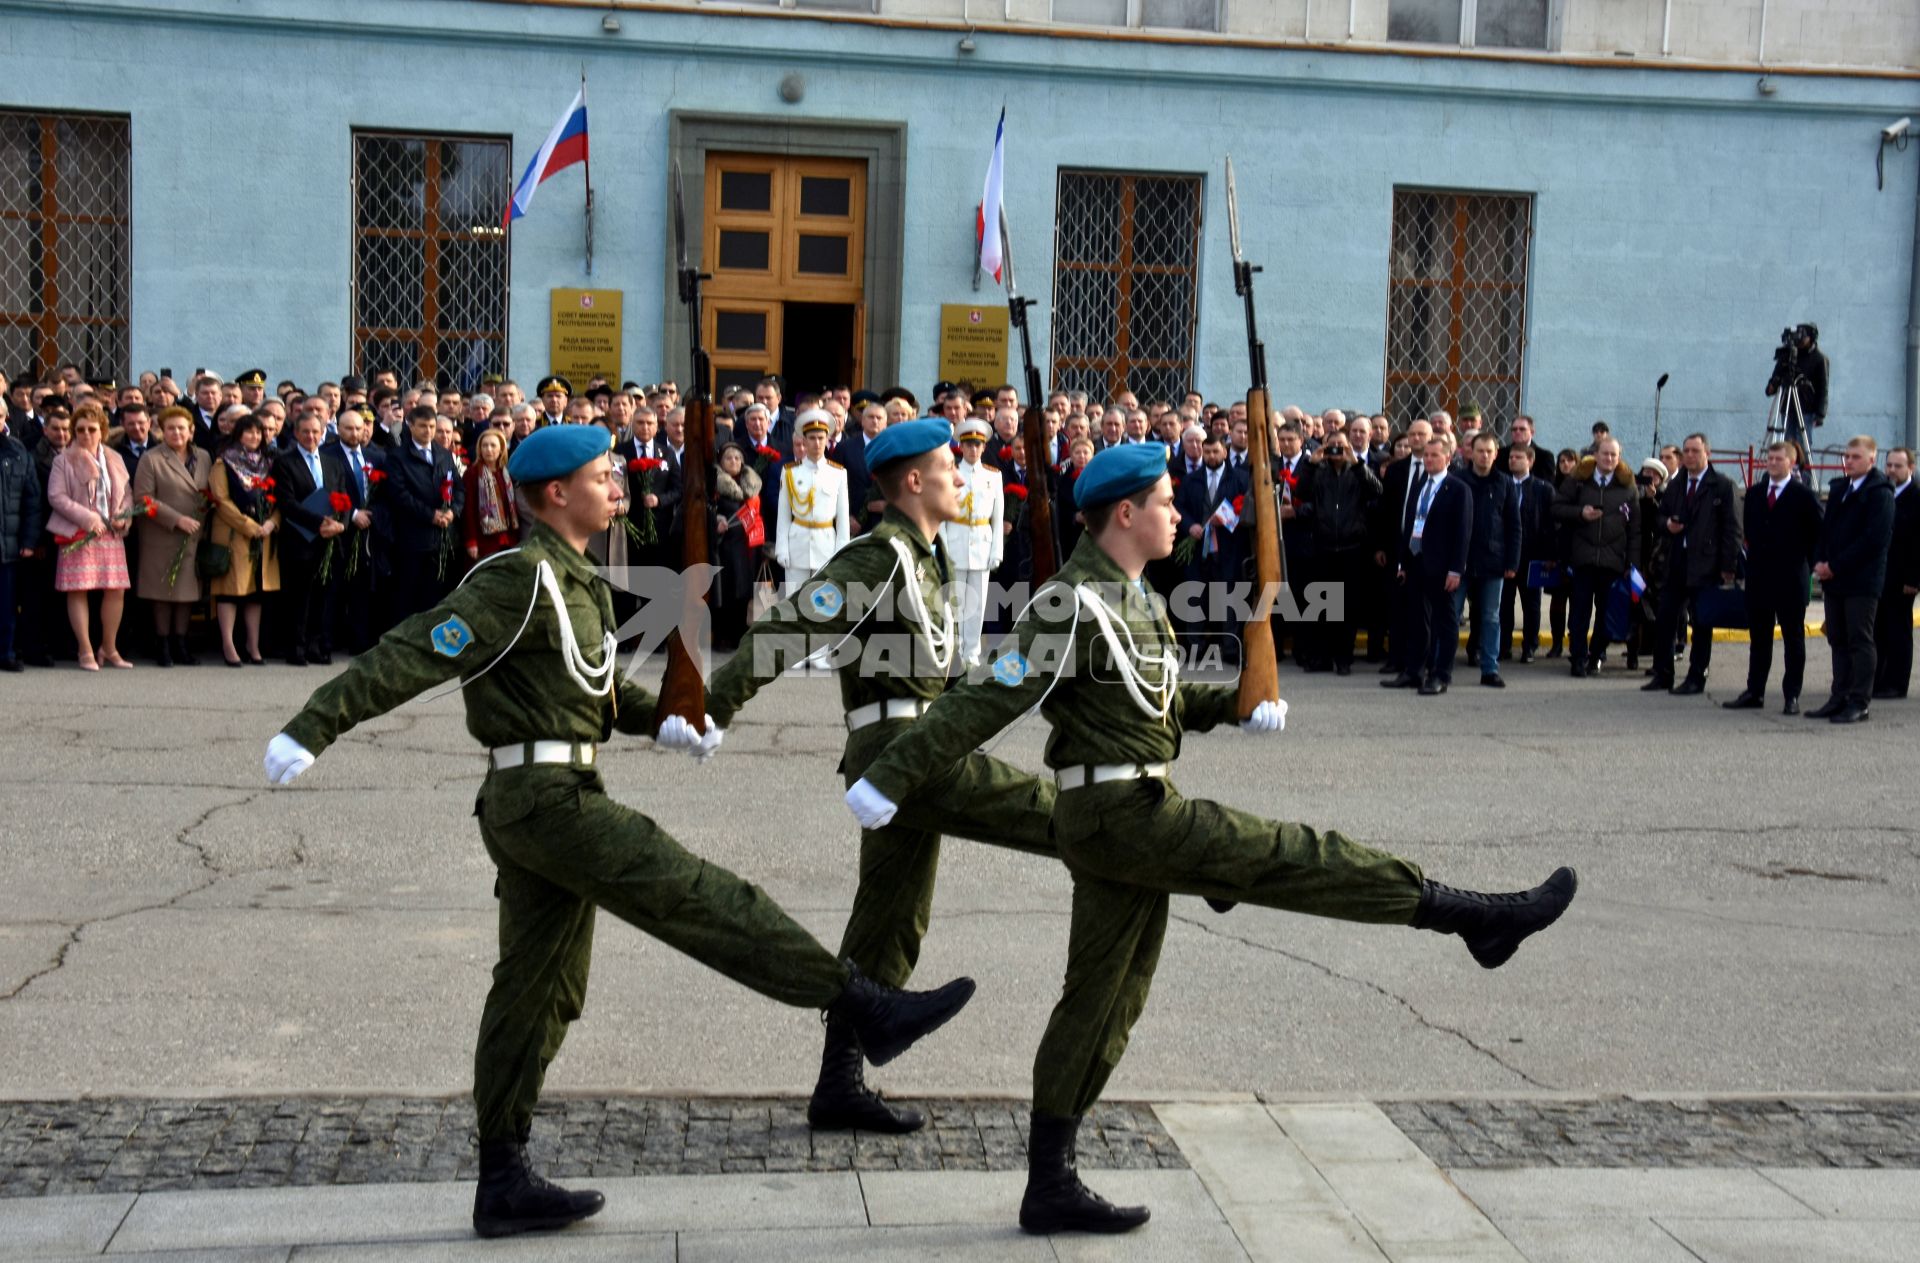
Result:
x=785 y=244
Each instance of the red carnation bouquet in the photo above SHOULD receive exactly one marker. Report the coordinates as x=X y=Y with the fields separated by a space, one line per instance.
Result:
x=765 y=457
x=446 y=532
x=339 y=505
x=639 y=519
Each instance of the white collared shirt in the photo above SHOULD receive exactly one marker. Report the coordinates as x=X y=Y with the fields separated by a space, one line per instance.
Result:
x=1775 y=489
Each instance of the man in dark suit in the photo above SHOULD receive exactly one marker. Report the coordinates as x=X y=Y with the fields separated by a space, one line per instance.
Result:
x=660 y=499
x=206 y=410
x=1399 y=482
x=356 y=586
x=767 y=392
x=1698 y=515
x=1208 y=518
x=1893 y=621
x=1852 y=570
x=1293 y=473
x=424 y=499
x=1433 y=559
x=1782 y=527
x=869 y=418
x=300 y=473
x=1493 y=553
x=1539 y=542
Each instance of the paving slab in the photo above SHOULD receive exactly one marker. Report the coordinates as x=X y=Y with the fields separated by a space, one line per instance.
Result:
x=1599 y=1194
x=1854 y=1194
x=899 y=1198
x=254 y=1254
x=946 y=1243
x=228 y=1219
x=1408 y=1205
x=1245 y=1160
x=1827 y=1240
x=1172 y=1243
x=1594 y=1241
x=576 y=1245
x=1335 y=1236
x=60 y=1225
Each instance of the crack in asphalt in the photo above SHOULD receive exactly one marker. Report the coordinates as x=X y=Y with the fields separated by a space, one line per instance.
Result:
x=1760 y=925
x=1373 y=986
x=184 y=838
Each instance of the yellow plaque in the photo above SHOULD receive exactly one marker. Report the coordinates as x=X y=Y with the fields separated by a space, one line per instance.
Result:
x=584 y=335
x=973 y=345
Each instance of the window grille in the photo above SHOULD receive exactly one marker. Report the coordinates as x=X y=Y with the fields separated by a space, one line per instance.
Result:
x=1125 y=283
x=64 y=262
x=430 y=256
x=1457 y=304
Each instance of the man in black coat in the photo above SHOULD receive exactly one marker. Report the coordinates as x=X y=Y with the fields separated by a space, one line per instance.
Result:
x=23 y=519
x=357 y=586
x=1852 y=570
x=1601 y=515
x=424 y=500
x=1698 y=514
x=1539 y=542
x=1393 y=605
x=1782 y=526
x=1293 y=473
x=1433 y=560
x=1893 y=621
x=1210 y=522
x=1339 y=512
x=1493 y=552
x=315 y=539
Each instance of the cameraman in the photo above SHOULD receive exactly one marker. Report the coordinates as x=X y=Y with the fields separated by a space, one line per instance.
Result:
x=1801 y=363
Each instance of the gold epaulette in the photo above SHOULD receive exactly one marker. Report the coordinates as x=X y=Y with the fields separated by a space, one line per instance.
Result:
x=836 y=464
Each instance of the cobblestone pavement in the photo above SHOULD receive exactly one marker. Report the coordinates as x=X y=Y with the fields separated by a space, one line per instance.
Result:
x=1642 y=1133
x=129 y=1145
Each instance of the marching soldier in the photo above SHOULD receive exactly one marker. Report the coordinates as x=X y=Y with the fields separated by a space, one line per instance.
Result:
x=1096 y=656
x=812 y=521
x=893 y=653
x=530 y=635
x=975 y=540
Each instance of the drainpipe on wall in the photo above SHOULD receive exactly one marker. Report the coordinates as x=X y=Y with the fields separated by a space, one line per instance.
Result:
x=1762 y=57
x=1666 y=30
x=1913 y=327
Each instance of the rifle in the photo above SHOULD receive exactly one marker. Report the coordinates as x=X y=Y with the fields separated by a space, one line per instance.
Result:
x=1033 y=430
x=683 y=691
x=1259 y=668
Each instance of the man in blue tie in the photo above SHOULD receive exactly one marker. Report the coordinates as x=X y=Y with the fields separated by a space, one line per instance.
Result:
x=1433 y=556
x=352 y=622
x=309 y=547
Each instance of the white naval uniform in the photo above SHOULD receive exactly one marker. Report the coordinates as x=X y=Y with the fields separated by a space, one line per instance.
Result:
x=813 y=522
x=975 y=545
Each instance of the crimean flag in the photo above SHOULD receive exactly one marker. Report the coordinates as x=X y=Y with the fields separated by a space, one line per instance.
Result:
x=565 y=145
x=988 y=225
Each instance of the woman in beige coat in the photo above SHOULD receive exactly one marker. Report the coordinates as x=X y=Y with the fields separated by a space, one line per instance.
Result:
x=173 y=478
x=245 y=517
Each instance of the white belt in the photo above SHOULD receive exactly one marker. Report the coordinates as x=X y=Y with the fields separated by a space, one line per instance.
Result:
x=500 y=758
x=1085 y=774
x=894 y=708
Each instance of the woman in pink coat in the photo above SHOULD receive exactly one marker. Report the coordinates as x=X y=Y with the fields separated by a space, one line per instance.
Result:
x=91 y=511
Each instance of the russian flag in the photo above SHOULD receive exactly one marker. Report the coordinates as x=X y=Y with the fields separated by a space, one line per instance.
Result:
x=565 y=145
x=988 y=224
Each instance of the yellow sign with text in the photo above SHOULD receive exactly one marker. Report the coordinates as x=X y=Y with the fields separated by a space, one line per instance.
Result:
x=584 y=335
x=973 y=344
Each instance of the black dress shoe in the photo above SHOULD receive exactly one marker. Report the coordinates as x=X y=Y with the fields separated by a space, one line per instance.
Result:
x=1791 y=706
x=1492 y=680
x=1689 y=686
x=887 y=1021
x=1748 y=700
x=1056 y=1200
x=1343 y=668
x=296 y=659
x=255 y=660
x=1526 y=656
x=512 y=1199
x=1554 y=652
x=320 y=659
x=37 y=659
x=1494 y=926
x=1579 y=671
x=1433 y=688
x=842 y=1101
x=1888 y=695
x=11 y=664
x=1657 y=685
x=1828 y=709
x=1401 y=681
x=1386 y=668
x=1851 y=713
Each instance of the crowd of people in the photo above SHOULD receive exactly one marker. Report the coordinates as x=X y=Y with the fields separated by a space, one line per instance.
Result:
x=309 y=523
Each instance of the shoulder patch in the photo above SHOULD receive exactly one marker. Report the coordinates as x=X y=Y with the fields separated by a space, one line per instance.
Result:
x=826 y=600
x=452 y=637
x=1010 y=668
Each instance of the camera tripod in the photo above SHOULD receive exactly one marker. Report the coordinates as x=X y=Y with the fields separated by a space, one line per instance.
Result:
x=1786 y=420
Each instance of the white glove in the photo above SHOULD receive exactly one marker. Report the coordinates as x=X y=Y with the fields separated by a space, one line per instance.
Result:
x=286 y=759
x=709 y=744
x=871 y=807
x=1267 y=717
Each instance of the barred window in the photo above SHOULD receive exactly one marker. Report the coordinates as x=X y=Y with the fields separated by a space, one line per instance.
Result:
x=1186 y=15
x=1470 y=23
x=1125 y=281
x=430 y=257
x=1457 y=303
x=64 y=266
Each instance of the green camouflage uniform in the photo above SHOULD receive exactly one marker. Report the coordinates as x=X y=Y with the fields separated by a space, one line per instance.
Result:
x=887 y=657
x=562 y=847
x=1129 y=843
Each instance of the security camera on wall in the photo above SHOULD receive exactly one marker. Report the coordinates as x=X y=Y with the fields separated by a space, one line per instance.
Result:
x=1894 y=131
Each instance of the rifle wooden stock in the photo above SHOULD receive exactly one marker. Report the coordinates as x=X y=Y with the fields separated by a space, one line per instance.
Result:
x=683 y=691
x=1033 y=435
x=1259 y=667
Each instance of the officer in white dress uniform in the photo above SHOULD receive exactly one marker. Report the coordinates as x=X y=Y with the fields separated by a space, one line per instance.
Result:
x=975 y=542
x=813 y=517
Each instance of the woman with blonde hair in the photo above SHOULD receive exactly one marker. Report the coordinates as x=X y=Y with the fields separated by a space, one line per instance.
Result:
x=173 y=478
x=90 y=499
x=246 y=514
x=492 y=519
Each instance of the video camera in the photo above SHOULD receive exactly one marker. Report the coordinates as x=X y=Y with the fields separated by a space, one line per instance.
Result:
x=1786 y=360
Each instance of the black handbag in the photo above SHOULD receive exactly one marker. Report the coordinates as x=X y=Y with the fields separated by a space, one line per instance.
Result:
x=212 y=561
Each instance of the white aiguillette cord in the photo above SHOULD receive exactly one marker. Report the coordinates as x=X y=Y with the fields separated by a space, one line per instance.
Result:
x=594 y=681
x=1154 y=698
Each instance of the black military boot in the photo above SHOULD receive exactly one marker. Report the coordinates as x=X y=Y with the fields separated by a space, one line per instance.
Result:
x=1056 y=1200
x=842 y=1101
x=888 y=1021
x=1494 y=925
x=512 y=1199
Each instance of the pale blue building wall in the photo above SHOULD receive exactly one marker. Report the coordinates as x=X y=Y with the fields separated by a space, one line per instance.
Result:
x=1681 y=218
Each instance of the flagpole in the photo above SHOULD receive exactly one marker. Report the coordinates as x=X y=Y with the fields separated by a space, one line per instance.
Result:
x=587 y=164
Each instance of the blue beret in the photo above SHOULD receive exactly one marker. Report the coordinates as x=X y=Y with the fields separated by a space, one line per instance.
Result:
x=906 y=439
x=1117 y=472
x=554 y=451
